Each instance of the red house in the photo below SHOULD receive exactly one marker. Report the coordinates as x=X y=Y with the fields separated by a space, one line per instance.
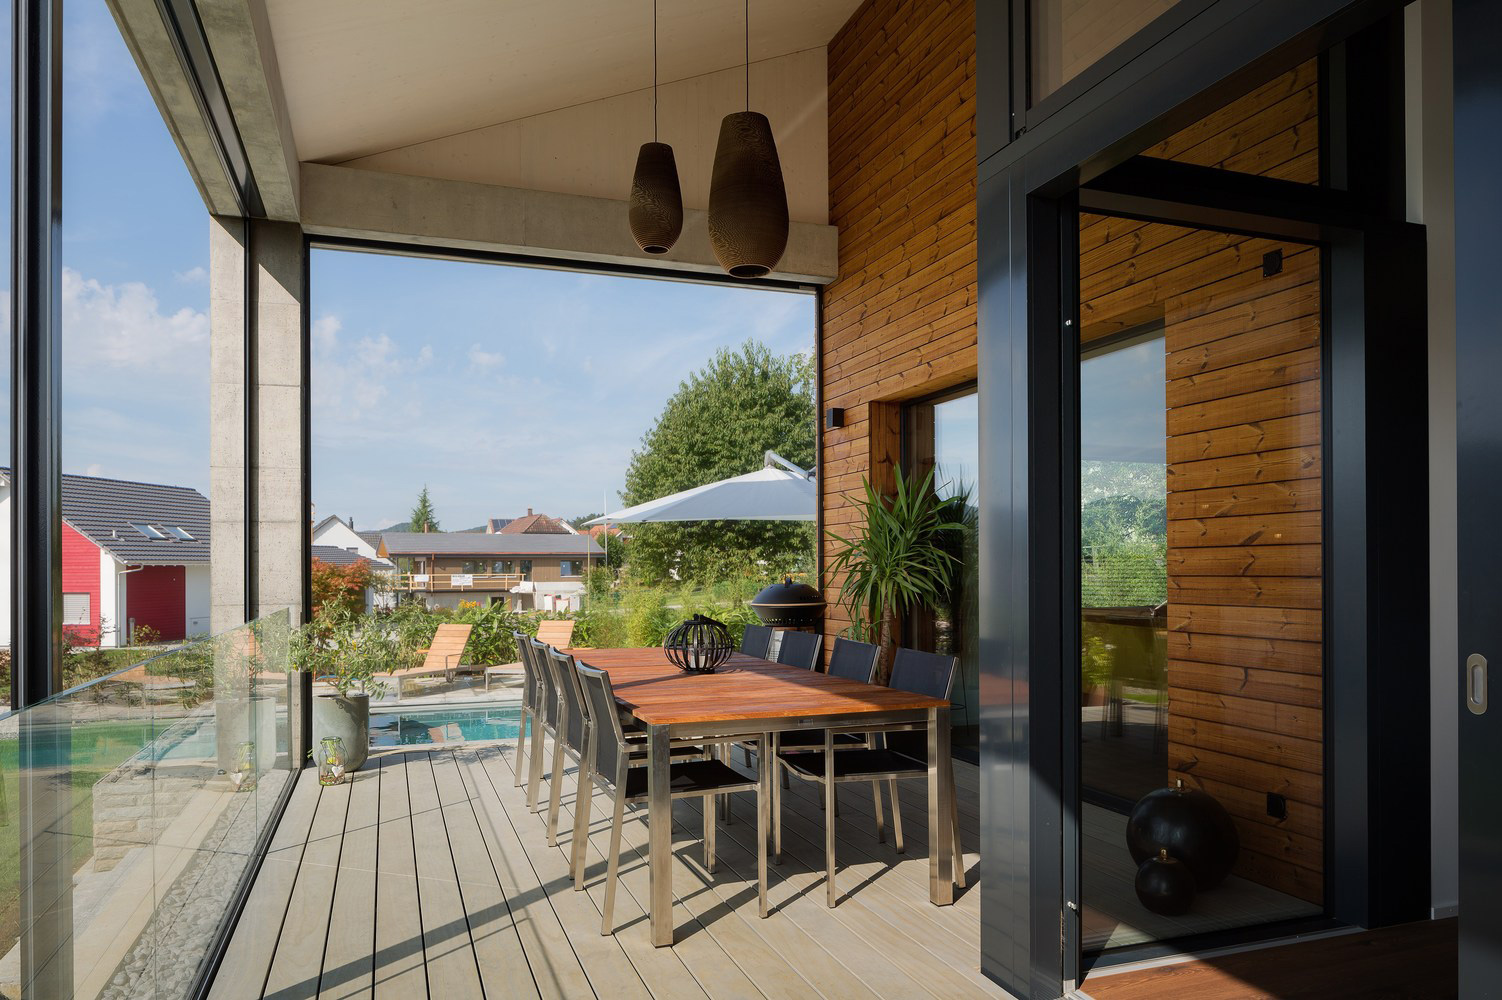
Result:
x=135 y=556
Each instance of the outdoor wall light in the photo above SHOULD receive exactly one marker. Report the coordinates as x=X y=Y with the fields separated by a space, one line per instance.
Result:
x=656 y=213
x=834 y=417
x=748 y=204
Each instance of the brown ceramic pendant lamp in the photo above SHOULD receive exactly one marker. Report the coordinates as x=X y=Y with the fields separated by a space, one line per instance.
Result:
x=656 y=199
x=748 y=205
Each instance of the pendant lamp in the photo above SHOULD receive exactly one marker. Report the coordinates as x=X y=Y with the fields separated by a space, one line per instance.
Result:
x=748 y=204
x=656 y=213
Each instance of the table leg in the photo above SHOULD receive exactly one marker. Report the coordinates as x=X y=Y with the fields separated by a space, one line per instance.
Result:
x=765 y=766
x=660 y=842
x=940 y=835
x=828 y=791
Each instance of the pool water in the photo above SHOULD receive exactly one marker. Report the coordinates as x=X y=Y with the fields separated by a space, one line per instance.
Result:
x=443 y=725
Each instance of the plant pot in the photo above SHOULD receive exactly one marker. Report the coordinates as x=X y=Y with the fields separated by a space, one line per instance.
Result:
x=1095 y=696
x=250 y=720
x=347 y=717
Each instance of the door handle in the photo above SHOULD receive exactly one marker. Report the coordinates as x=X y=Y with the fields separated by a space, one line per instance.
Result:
x=1475 y=684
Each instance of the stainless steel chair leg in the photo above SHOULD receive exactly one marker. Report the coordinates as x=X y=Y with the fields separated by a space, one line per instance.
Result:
x=534 y=774
x=613 y=866
x=776 y=812
x=881 y=822
x=709 y=833
x=522 y=733
x=555 y=792
x=896 y=816
x=954 y=827
x=579 y=848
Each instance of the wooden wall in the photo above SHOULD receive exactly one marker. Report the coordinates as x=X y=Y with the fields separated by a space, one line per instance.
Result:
x=899 y=322
x=1245 y=559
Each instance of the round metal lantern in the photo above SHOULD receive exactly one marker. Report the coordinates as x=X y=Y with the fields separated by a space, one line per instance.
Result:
x=698 y=645
x=748 y=203
x=656 y=199
x=789 y=605
x=1192 y=826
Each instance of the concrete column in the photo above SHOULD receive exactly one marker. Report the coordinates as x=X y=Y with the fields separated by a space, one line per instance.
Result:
x=259 y=510
x=227 y=467
x=281 y=525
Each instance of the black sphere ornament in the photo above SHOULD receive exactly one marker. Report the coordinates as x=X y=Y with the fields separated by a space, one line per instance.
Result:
x=1192 y=826
x=656 y=213
x=698 y=645
x=1165 y=885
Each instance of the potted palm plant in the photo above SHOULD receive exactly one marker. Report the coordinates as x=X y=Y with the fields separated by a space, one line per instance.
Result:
x=905 y=557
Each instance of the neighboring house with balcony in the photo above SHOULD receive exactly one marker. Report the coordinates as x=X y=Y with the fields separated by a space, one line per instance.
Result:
x=134 y=555
x=523 y=570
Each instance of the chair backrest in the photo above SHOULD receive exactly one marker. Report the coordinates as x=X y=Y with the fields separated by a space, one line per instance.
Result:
x=529 y=672
x=921 y=673
x=556 y=632
x=446 y=651
x=549 y=707
x=800 y=649
x=756 y=641
x=568 y=683
x=854 y=661
x=605 y=721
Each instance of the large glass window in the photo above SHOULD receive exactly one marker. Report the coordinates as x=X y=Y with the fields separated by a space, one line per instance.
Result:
x=1069 y=36
x=941 y=435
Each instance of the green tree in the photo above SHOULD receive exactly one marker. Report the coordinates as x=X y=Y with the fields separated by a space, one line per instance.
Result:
x=719 y=424
x=422 y=518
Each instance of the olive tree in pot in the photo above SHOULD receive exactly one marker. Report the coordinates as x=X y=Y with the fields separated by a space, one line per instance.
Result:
x=905 y=557
x=348 y=651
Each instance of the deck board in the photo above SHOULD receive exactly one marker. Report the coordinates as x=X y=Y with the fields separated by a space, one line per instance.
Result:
x=444 y=885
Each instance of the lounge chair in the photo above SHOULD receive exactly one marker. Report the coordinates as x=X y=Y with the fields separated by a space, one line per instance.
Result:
x=443 y=656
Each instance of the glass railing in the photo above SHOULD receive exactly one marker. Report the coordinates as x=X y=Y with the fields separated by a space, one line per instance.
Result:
x=130 y=809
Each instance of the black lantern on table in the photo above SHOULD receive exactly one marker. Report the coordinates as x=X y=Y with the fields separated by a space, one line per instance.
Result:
x=698 y=645
x=789 y=605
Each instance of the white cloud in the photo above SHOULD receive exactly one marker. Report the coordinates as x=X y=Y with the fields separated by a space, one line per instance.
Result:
x=485 y=359
x=192 y=276
x=123 y=328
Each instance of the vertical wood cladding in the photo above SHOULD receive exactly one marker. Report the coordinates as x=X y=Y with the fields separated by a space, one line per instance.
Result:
x=899 y=322
x=1245 y=497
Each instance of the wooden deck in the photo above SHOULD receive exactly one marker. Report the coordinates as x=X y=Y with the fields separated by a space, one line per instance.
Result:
x=427 y=876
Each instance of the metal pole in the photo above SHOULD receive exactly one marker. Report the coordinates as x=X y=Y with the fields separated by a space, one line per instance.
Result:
x=45 y=756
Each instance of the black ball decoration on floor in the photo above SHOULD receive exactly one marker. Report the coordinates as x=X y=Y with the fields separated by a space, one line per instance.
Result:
x=1165 y=885
x=1192 y=826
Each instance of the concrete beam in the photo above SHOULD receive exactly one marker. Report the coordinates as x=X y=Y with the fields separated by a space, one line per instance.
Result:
x=140 y=23
x=240 y=37
x=424 y=211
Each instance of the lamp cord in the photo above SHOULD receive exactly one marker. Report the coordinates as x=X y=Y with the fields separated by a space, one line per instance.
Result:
x=748 y=54
x=654 y=70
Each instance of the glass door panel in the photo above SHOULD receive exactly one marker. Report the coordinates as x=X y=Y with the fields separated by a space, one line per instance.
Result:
x=1201 y=580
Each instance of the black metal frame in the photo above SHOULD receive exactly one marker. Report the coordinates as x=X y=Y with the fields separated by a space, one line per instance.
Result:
x=1478 y=301
x=1082 y=155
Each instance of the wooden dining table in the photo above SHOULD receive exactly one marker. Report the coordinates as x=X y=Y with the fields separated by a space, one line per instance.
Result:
x=753 y=698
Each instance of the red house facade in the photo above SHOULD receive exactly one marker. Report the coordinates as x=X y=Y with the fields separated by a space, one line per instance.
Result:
x=135 y=561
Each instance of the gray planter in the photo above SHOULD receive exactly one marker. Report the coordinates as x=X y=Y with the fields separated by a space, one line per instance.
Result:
x=347 y=718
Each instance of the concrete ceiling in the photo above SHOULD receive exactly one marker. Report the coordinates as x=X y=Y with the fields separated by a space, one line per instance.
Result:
x=364 y=76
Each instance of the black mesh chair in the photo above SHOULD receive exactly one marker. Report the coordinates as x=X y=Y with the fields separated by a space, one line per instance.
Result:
x=528 y=722
x=903 y=755
x=546 y=714
x=800 y=649
x=854 y=661
x=613 y=766
x=757 y=641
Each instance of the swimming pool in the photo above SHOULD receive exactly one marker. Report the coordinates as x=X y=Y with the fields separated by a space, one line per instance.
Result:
x=414 y=726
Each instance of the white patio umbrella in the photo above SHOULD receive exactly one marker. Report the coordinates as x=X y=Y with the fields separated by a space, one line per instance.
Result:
x=768 y=494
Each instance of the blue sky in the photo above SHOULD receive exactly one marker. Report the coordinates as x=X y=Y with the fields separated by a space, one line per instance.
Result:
x=499 y=388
